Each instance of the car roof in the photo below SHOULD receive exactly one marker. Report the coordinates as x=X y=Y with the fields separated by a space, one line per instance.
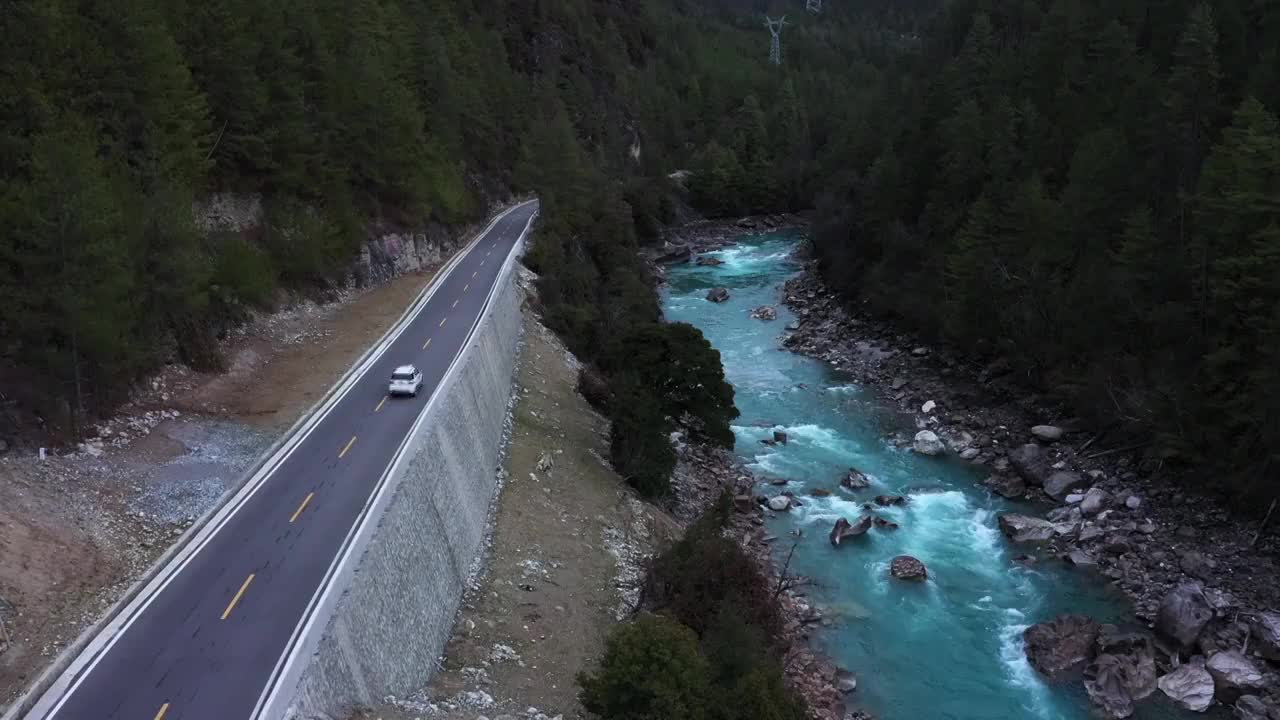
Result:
x=405 y=369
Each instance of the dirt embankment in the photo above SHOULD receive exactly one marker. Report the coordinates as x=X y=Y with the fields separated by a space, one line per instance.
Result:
x=78 y=527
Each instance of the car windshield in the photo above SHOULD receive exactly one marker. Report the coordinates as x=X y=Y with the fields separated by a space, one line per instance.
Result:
x=402 y=376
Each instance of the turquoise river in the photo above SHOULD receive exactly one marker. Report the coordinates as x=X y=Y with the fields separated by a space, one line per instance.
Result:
x=949 y=649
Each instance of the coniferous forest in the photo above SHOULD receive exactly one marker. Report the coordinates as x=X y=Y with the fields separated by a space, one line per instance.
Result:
x=1087 y=191
x=1091 y=192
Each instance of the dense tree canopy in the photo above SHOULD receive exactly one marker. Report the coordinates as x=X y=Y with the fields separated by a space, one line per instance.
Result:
x=1090 y=190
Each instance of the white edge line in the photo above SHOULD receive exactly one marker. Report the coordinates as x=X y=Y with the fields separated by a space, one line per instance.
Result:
x=82 y=666
x=270 y=694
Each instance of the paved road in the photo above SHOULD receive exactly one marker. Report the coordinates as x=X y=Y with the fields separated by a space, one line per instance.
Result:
x=208 y=642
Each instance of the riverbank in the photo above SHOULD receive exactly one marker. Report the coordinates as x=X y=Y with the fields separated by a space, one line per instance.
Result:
x=1113 y=511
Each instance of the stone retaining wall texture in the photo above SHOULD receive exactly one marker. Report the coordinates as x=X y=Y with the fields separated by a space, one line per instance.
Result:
x=399 y=600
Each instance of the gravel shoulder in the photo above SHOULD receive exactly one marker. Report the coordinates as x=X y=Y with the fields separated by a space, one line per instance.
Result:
x=79 y=526
x=568 y=545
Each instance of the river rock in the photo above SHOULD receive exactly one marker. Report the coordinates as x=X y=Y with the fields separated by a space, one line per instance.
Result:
x=1234 y=674
x=764 y=312
x=1048 y=433
x=1031 y=463
x=905 y=567
x=970 y=453
x=1007 y=485
x=744 y=504
x=1183 y=613
x=927 y=443
x=1093 y=501
x=1024 y=528
x=1060 y=644
x=1197 y=565
x=846 y=682
x=855 y=480
x=779 y=503
x=676 y=254
x=1133 y=502
x=1252 y=707
x=844 y=529
x=708 y=260
x=1080 y=558
x=887 y=500
x=1106 y=682
x=1061 y=483
x=885 y=524
x=780 y=437
x=718 y=295
x=928 y=406
x=898 y=383
x=1190 y=686
x=1265 y=630
x=1136 y=655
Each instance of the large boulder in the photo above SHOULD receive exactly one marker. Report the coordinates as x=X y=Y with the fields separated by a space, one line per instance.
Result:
x=1048 y=433
x=905 y=567
x=779 y=503
x=1190 y=686
x=1064 y=482
x=1137 y=658
x=1094 y=501
x=764 y=312
x=844 y=529
x=708 y=260
x=1007 y=485
x=1106 y=682
x=1234 y=674
x=1265 y=631
x=1060 y=644
x=676 y=254
x=1252 y=707
x=1024 y=528
x=887 y=500
x=718 y=295
x=927 y=443
x=1183 y=613
x=855 y=480
x=1031 y=464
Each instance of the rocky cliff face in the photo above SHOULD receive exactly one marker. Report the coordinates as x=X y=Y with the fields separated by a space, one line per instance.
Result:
x=384 y=254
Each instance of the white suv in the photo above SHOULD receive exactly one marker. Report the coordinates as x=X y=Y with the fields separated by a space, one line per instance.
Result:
x=406 y=380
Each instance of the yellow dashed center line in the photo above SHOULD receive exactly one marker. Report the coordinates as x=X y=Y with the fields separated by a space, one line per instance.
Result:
x=455 y=303
x=466 y=287
x=163 y=709
x=473 y=275
x=236 y=599
x=301 y=507
x=442 y=322
x=350 y=442
x=426 y=344
x=384 y=397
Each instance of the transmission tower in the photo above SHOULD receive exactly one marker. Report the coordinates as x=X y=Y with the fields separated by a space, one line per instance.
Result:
x=813 y=6
x=775 y=45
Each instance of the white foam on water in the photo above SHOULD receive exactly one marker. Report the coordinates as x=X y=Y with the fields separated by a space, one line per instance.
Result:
x=842 y=389
x=1017 y=669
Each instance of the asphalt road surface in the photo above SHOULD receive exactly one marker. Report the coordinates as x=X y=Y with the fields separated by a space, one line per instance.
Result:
x=207 y=644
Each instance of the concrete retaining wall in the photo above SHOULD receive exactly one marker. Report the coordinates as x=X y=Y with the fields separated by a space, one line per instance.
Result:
x=391 y=611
